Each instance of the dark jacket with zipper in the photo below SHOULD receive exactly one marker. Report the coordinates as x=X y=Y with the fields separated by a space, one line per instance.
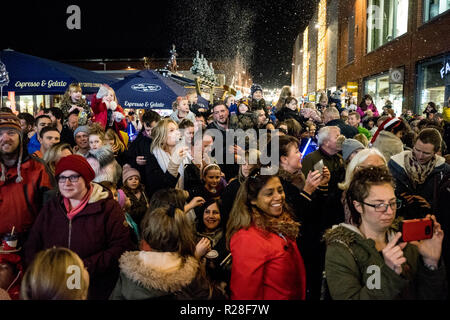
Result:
x=139 y=147
x=99 y=234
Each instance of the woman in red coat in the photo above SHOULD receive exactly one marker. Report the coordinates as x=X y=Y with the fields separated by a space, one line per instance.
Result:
x=107 y=110
x=266 y=263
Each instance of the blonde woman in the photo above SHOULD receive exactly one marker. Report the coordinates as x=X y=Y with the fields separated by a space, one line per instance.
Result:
x=117 y=146
x=55 y=153
x=53 y=276
x=165 y=165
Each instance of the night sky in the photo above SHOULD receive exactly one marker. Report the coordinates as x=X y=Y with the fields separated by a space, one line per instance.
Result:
x=262 y=31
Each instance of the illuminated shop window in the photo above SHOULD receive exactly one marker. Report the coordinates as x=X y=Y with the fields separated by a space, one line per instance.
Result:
x=386 y=20
x=433 y=8
x=321 y=43
x=382 y=90
x=305 y=61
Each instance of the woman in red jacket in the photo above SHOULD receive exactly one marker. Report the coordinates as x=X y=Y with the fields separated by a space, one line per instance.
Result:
x=266 y=263
x=107 y=110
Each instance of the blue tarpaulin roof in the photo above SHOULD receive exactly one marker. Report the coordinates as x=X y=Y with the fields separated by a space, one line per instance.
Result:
x=148 y=89
x=33 y=75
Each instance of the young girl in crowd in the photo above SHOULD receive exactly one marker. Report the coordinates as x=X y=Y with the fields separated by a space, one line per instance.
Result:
x=182 y=111
x=96 y=137
x=165 y=267
x=73 y=100
x=50 y=275
x=117 y=146
x=135 y=191
x=107 y=111
x=242 y=117
x=213 y=183
x=229 y=195
x=125 y=204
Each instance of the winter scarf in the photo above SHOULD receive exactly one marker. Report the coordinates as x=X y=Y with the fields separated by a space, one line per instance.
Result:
x=72 y=212
x=297 y=179
x=417 y=172
x=163 y=159
x=282 y=225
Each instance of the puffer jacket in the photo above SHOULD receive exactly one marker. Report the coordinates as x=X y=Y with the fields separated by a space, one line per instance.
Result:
x=99 y=234
x=350 y=262
x=161 y=275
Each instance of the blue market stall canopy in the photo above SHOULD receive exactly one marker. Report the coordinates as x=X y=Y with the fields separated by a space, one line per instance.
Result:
x=148 y=89
x=33 y=75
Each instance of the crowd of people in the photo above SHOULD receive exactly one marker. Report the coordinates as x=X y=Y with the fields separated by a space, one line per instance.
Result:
x=181 y=211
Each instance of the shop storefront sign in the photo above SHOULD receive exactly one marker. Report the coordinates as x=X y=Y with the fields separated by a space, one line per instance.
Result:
x=396 y=76
x=40 y=84
x=445 y=69
x=352 y=86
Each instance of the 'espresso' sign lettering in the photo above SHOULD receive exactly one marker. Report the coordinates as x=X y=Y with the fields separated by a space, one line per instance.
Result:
x=40 y=84
x=146 y=104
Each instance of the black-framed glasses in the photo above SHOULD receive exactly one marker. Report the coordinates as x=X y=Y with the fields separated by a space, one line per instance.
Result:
x=73 y=178
x=382 y=207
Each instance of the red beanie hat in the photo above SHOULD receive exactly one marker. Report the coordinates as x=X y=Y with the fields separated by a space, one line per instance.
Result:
x=78 y=164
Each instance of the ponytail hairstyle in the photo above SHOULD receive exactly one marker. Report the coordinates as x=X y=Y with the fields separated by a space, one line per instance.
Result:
x=167 y=229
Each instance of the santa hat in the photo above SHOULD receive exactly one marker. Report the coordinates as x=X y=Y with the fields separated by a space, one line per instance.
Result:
x=386 y=124
x=11 y=121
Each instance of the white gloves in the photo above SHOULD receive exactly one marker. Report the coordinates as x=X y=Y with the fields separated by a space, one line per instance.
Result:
x=103 y=91
x=118 y=116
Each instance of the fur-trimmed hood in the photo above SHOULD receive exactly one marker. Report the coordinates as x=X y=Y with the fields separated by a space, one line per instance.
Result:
x=348 y=233
x=163 y=271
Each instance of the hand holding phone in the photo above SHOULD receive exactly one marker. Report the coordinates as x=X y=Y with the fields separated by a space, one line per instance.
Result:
x=319 y=166
x=430 y=248
x=416 y=229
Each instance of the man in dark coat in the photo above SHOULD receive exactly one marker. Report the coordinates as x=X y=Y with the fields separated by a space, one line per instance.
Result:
x=139 y=150
x=331 y=117
x=69 y=128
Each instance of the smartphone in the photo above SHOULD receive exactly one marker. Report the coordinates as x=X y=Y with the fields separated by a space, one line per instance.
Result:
x=319 y=166
x=416 y=229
